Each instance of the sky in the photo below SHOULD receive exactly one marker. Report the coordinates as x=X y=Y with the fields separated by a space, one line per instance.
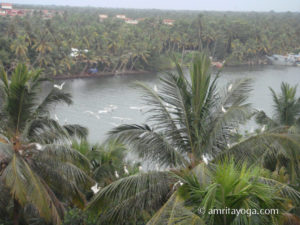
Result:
x=218 y=5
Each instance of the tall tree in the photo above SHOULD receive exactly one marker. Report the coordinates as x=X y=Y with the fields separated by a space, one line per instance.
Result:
x=38 y=167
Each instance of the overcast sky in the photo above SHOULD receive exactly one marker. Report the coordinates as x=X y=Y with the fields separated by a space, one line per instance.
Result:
x=220 y=5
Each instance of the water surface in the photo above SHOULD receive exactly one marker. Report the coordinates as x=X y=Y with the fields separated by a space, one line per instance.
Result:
x=117 y=95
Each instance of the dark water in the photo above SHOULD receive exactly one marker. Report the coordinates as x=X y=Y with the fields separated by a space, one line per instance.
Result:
x=116 y=95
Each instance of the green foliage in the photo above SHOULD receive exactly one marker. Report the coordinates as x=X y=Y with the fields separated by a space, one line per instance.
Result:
x=226 y=186
x=78 y=217
x=115 y=46
x=38 y=170
x=188 y=122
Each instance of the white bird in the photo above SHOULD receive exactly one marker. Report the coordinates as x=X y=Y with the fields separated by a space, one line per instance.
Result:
x=116 y=174
x=56 y=118
x=263 y=128
x=138 y=108
x=113 y=107
x=38 y=146
x=140 y=168
x=93 y=114
x=95 y=188
x=89 y=112
x=60 y=87
x=176 y=184
x=155 y=88
x=205 y=159
x=230 y=87
x=251 y=130
x=223 y=109
x=102 y=111
x=109 y=108
x=126 y=170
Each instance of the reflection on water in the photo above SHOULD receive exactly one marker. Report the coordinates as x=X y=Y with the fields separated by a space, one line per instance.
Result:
x=102 y=103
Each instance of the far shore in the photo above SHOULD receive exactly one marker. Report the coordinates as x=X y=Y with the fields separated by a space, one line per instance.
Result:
x=100 y=74
x=135 y=72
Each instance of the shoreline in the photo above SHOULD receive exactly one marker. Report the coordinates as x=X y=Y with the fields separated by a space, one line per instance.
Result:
x=135 y=72
x=100 y=74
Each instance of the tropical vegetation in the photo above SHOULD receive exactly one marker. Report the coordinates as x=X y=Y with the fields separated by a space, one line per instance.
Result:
x=51 y=174
x=74 y=40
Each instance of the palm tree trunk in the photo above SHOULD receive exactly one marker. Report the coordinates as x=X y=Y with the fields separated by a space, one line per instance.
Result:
x=16 y=213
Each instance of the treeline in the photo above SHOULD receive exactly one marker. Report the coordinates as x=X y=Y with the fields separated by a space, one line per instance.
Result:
x=112 y=45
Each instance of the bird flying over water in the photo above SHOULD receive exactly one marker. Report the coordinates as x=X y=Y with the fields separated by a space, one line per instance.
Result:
x=93 y=114
x=140 y=108
x=59 y=87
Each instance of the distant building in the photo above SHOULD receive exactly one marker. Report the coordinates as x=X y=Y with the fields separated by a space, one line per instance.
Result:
x=168 y=22
x=2 y=12
x=131 y=21
x=121 y=16
x=6 y=6
x=12 y=12
x=103 y=16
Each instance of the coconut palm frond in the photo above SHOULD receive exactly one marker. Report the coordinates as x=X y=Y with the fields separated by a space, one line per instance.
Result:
x=237 y=93
x=47 y=130
x=262 y=119
x=255 y=148
x=6 y=152
x=64 y=153
x=26 y=186
x=64 y=179
x=19 y=97
x=4 y=78
x=228 y=113
x=54 y=97
x=75 y=130
x=148 y=144
x=44 y=130
x=5 y=200
x=286 y=105
x=165 y=107
x=175 y=212
x=283 y=190
x=147 y=189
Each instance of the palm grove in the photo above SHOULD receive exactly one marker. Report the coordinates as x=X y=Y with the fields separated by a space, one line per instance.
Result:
x=50 y=173
x=112 y=45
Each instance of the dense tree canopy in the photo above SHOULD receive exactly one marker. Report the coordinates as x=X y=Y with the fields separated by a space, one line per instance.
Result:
x=112 y=45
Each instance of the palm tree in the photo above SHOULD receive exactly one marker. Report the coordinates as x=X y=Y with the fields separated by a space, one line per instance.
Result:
x=284 y=127
x=191 y=121
x=20 y=47
x=38 y=170
x=108 y=160
x=212 y=195
x=286 y=108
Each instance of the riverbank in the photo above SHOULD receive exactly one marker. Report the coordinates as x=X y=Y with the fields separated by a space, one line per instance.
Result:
x=249 y=63
x=100 y=74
